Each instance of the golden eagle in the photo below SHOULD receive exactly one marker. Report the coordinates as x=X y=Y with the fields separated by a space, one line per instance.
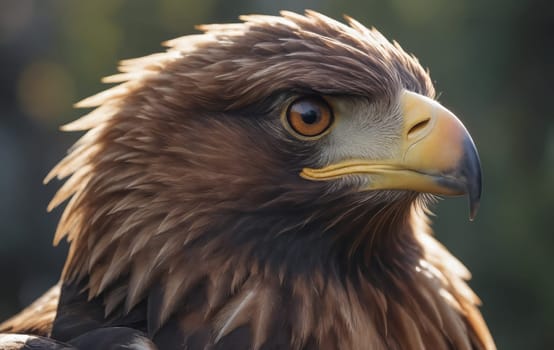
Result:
x=263 y=185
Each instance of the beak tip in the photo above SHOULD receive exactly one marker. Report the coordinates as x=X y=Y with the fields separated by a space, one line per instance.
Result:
x=473 y=208
x=473 y=173
x=474 y=199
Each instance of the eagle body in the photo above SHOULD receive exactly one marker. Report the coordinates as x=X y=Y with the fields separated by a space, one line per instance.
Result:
x=263 y=185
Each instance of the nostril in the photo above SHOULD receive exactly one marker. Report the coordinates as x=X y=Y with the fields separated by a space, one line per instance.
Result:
x=419 y=126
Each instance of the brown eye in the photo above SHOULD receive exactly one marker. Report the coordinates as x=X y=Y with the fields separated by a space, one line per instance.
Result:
x=309 y=116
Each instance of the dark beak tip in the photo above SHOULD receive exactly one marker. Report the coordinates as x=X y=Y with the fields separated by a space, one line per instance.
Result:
x=474 y=194
x=473 y=208
x=471 y=166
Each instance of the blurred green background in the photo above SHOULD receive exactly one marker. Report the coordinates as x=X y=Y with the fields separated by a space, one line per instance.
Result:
x=492 y=63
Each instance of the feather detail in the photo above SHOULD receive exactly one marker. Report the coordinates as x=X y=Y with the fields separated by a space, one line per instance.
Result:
x=236 y=314
x=98 y=116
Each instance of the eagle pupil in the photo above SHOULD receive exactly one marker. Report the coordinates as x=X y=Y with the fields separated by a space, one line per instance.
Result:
x=310 y=117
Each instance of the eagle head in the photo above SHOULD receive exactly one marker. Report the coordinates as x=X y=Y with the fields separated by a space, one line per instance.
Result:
x=268 y=182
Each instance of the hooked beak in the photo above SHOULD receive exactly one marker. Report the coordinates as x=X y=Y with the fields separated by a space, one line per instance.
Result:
x=435 y=155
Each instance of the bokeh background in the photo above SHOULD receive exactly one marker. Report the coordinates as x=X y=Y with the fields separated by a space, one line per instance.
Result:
x=492 y=63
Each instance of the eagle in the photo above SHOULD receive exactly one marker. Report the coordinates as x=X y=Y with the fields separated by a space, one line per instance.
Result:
x=261 y=185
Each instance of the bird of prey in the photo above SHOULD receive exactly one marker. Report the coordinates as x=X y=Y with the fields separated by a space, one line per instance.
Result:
x=262 y=185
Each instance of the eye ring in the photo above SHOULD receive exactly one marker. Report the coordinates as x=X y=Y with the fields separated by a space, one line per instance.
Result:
x=309 y=117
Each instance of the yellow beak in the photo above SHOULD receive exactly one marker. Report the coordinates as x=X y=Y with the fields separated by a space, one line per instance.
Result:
x=435 y=155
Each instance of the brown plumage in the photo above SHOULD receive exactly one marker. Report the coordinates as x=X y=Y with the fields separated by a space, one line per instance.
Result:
x=189 y=222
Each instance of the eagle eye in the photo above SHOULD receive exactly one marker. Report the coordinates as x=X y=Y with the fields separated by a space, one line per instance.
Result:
x=309 y=117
